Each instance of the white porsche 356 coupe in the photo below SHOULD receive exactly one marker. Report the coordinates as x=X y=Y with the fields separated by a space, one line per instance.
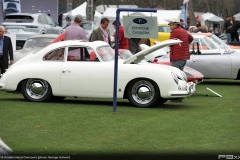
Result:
x=86 y=69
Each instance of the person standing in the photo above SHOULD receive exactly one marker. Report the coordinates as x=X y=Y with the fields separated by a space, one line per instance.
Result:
x=123 y=41
x=179 y=54
x=234 y=29
x=6 y=50
x=201 y=28
x=182 y=24
x=102 y=33
x=75 y=32
x=227 y=27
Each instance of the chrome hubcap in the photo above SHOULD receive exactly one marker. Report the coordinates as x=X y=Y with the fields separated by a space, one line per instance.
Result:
x=143 y=92
x=36 y=88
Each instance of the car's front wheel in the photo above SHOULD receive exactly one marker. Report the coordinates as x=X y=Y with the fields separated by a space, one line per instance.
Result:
x=143 y=93
x=36 y=90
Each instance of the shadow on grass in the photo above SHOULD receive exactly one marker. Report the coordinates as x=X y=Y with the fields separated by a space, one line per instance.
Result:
x=102 y=102
x=221 y=82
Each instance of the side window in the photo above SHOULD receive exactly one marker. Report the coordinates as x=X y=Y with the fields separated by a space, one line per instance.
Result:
x=49 y=20
x=42 y=19
x=55 y=55
x=81 y=54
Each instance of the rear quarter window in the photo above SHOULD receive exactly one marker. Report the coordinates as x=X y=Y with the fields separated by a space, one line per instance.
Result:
x=19 y=19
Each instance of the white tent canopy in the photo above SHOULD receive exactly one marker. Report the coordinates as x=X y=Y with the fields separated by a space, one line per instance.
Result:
x=237 y=16
x=82 y=11
x=211 y=17
x=162 y=15
x=102 y=8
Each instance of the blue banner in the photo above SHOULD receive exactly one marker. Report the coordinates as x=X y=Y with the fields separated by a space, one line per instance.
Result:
x=183 y=15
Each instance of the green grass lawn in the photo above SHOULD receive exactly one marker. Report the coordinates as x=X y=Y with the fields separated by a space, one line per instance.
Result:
x=200 y=124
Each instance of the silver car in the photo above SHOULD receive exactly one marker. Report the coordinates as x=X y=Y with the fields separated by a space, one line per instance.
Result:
x=213 y=58
x=25 y=25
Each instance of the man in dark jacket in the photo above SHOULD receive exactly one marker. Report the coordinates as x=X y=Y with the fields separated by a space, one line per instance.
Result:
x=227 y=27
x=234 y=29
x=6 y=50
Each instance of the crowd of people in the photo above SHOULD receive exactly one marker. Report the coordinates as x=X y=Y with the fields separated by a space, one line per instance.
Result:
x=231 y=26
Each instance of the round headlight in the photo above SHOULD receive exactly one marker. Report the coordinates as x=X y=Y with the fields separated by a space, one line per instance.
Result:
x=175 y=77
x=184 y=75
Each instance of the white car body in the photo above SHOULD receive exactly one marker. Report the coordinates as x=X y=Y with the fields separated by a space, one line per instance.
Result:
x=41 y=76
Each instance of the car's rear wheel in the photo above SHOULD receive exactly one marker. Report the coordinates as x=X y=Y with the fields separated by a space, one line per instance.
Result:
x=143 y=93
x=36 y=90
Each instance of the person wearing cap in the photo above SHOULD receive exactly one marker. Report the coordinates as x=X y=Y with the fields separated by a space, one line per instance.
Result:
x=179 y=53
x=75 y=32
x=227 y=27
x=102 y=33
x=6 y=51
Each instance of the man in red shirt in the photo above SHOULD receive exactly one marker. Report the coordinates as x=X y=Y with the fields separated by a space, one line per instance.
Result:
x=123 y=42
x=179 y=54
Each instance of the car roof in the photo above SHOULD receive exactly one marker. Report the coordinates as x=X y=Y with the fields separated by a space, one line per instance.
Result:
x=45 y=36
x=200 y=33
x=79 y=42
x=26 y=14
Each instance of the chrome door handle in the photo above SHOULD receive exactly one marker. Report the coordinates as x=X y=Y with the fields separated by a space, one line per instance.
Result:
x=64 y=71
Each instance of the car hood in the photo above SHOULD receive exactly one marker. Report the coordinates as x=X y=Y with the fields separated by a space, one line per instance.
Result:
x=155 y=54
x=138 y=57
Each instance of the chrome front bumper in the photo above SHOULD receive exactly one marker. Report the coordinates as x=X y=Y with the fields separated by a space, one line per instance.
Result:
x=188 y=90
x=191 y=87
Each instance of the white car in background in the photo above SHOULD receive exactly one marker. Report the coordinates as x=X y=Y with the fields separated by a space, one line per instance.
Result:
x=33 y=44
x=25 y=25
x=53 y=73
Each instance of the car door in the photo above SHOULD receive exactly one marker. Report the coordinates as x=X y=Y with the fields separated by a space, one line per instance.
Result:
x=54 y=28
x=211 y=65
x=45 y=27
x=86 y=76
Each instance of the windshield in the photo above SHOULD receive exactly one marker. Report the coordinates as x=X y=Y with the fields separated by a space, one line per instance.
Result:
x=210 y=42
x=106 y=53
x=125 y=54
x=164 y=29
x=221 y=44
x=86 y=26
x=37 y=42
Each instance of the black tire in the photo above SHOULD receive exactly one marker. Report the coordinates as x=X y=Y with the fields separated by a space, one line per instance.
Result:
x=143 y=93
x=162 y=101
x=36 y=90
x=57 y=99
